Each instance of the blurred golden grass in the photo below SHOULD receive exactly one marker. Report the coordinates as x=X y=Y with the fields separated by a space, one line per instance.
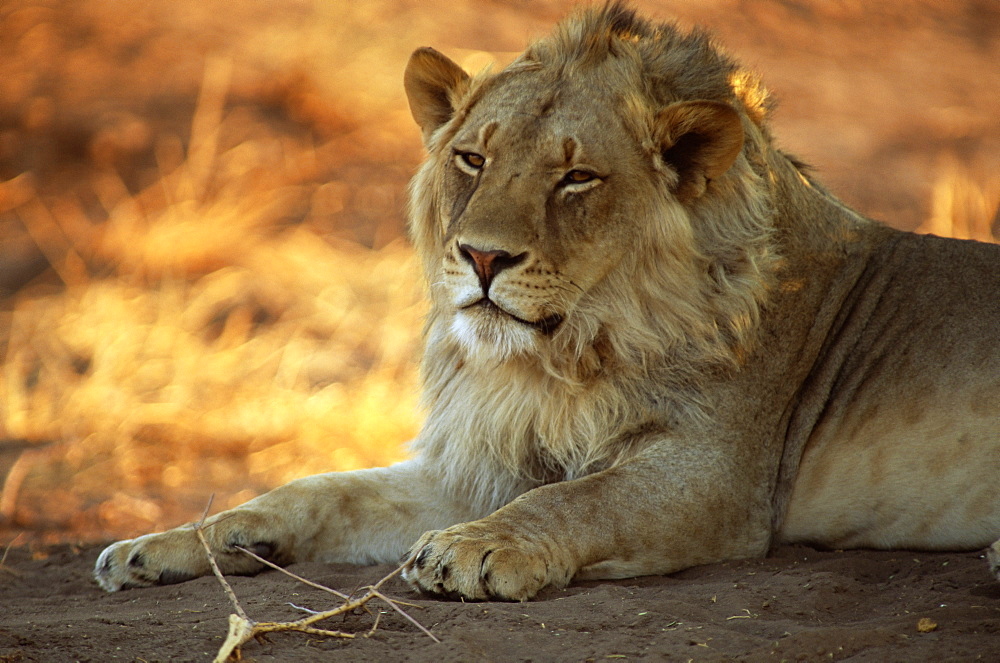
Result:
x=224 y=350
x=964 y=204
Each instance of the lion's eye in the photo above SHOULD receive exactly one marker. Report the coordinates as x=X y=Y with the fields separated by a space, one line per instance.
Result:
x=470 y=161
x=578 y=177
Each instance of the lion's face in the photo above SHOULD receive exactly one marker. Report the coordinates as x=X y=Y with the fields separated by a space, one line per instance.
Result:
x=530 y=211
x=539 y=186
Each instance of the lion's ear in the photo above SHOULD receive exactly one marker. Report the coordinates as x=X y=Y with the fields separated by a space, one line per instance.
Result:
x=700 y=140
x=433 y=83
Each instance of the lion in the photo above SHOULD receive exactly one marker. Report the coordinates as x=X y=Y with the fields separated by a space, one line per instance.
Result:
x=654 y=342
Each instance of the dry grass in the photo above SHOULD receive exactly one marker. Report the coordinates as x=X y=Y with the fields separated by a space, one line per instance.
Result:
x=223 y=352
x=964 y=205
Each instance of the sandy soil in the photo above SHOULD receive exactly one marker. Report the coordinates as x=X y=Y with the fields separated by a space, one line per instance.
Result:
x=798 y=605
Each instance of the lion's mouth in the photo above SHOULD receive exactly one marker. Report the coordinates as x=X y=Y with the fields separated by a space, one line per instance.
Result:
x=545 y=325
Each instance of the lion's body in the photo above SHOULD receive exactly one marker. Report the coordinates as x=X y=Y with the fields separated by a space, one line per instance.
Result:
x=653 y=343
x=902 y=406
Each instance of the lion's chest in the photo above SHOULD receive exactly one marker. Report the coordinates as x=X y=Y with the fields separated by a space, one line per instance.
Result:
x=530 y=425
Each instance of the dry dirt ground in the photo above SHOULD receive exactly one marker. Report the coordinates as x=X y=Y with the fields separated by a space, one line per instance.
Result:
x=890 y=101
x=798 y=605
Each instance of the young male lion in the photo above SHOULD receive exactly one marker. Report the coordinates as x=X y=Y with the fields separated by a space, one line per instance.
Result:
x=654 y=342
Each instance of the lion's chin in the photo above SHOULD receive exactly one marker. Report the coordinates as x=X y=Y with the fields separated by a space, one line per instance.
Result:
x=491 y=333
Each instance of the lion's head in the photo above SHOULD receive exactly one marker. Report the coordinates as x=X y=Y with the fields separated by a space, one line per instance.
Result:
x=596 y=203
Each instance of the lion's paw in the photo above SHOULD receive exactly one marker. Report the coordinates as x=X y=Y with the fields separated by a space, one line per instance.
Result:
x=993 y=556
x=145 y=562
x=471 y=561
x=177 y=555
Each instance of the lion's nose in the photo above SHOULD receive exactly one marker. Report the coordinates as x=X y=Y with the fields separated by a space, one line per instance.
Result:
x=489 y=263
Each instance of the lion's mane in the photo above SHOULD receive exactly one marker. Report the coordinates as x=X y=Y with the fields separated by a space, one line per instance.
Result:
x=684 y=305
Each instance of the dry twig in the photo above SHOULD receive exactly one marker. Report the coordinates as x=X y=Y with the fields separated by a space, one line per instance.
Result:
x=242 y=629
x=373 y=590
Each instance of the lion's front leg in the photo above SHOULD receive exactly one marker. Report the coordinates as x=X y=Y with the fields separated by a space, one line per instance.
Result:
x=362 y=517
x=656 y=514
